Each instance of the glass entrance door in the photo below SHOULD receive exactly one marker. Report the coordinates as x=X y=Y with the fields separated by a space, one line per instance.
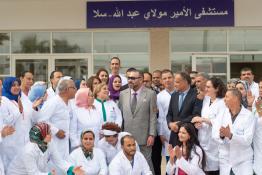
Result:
x=213 y=65
x=38 y=65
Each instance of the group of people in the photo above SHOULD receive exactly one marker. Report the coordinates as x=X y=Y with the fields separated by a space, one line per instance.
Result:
x=122 y=124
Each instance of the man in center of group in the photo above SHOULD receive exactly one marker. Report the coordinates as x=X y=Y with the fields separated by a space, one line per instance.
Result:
x=183 y=106
x=138 y=106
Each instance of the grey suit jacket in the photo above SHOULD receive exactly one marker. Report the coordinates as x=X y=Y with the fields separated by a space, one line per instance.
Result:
x=142 y=123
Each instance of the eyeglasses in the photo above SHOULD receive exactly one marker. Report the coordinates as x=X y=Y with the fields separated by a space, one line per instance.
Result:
x=72 y=87
x=111 y=135
x=133 y=78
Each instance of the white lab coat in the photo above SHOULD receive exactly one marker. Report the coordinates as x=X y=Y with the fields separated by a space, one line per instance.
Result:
x=109 y=150
x=32 y=161
x=254 y=89
x=190 y=167
x=163 y=99
x=57 y=113
x=113 y=113
x=206 y=140
x=257 y=145
x=120 y=165
x=50 y=93
x=96 y=166
x=84 y=119
x=2 y=170
x=12 y=144
x=236 y=153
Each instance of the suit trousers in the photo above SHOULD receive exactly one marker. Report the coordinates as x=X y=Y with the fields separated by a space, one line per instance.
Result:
x=156 y=155
x=147 y=152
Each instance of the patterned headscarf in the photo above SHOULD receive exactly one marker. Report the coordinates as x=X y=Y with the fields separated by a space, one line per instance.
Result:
x=7 y=85
x=38 y=133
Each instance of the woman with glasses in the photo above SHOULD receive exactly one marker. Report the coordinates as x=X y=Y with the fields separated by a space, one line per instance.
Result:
x=91 y=159
x=85 y=116
x=107 y=108
x=110 y=143
x=34 y=157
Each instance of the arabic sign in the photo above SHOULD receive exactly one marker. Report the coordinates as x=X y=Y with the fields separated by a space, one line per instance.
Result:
x=175 y=13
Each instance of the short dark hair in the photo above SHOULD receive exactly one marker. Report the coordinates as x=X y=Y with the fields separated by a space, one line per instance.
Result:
x=244 y=69
x=157 y=71
x=53 y=73
x=122 y=141
x=22 y=75
x=115 y=58
x=164 y=71
x=185 y=76
x=148 y=73
x=131 y=69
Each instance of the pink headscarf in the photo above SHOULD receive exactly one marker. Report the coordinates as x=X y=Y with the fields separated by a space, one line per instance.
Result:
x=81 y=97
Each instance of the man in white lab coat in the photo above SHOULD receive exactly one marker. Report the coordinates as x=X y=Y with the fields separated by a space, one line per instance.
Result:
x=56 y=112
x=54 y=79
x=235 y=129
x=129 y=161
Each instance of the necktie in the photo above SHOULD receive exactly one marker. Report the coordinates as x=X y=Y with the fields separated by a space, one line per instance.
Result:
x=181 y=99
x=133 y=103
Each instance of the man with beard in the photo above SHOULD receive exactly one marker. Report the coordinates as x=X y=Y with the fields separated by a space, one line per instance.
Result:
x=138 y=106
x=129 y=161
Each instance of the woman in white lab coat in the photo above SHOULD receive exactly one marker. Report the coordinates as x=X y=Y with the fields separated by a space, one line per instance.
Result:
x=92 y=160
x=107 y=108
x=187 y=158
x=36 y=154
x=212 y=103
x=12 y=115
x=85 y=117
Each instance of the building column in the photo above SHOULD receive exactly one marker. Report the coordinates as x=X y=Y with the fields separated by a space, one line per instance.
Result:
x=159 y=49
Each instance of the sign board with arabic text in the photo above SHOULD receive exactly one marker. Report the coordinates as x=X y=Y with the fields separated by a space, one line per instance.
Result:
x=175 y=13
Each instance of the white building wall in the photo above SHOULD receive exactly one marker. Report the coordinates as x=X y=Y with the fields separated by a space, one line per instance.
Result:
x=71 y=14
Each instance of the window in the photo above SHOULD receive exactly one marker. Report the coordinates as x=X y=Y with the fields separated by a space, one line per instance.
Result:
x=30 y=42
x=72 y=42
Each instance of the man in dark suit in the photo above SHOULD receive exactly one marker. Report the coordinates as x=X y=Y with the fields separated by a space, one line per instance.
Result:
x=183 y=106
